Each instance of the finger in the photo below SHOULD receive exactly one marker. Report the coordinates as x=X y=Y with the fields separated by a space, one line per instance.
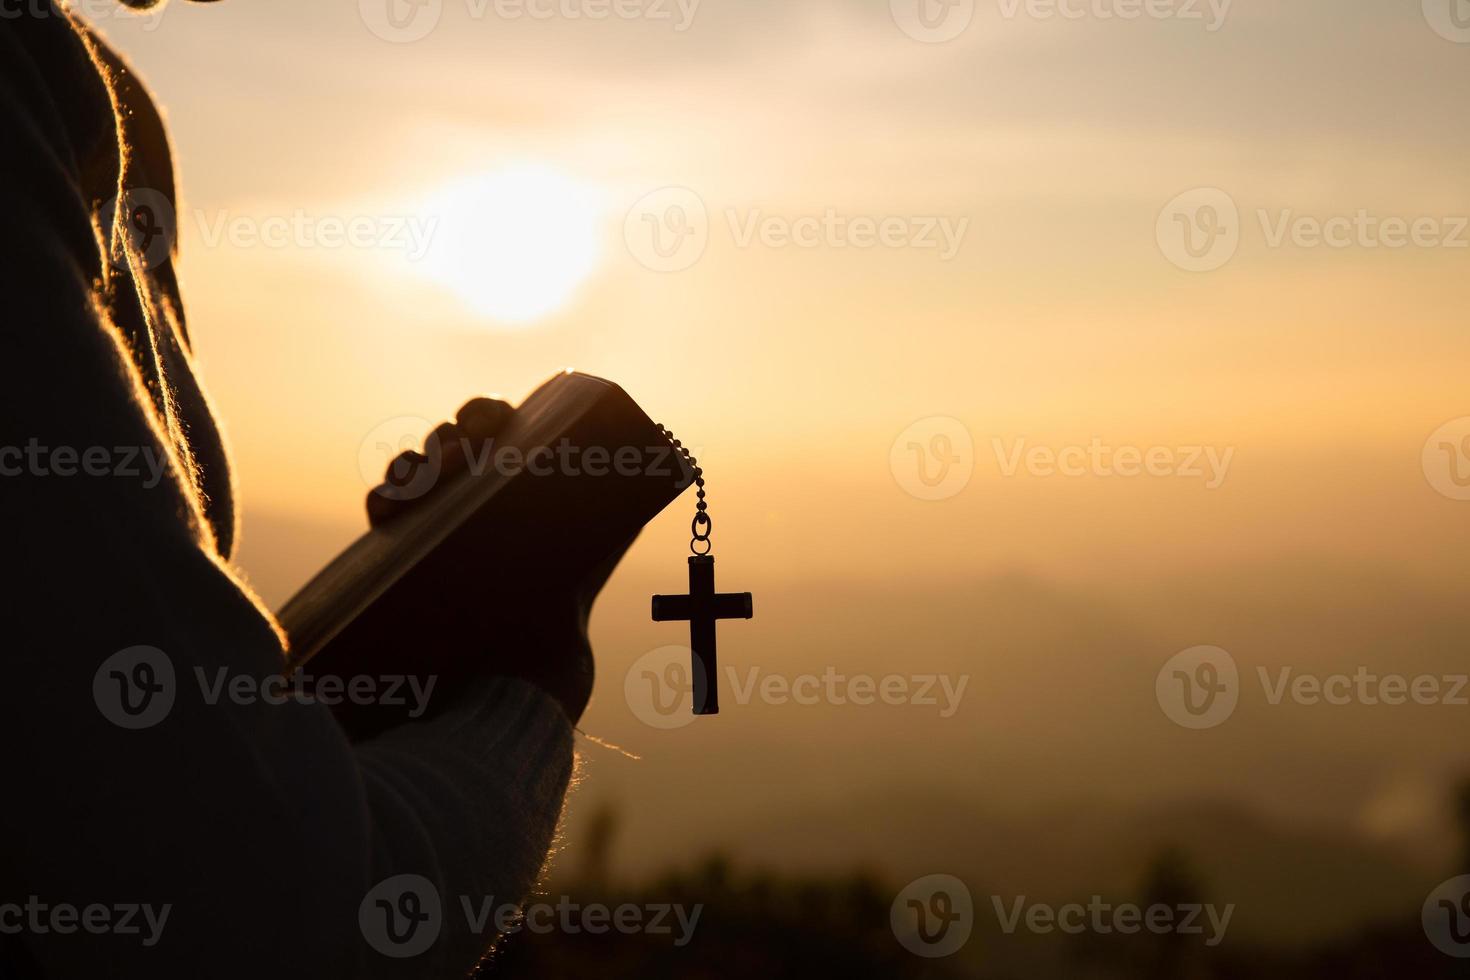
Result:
x=446 y=444
x=483 y=418
x=410 y=475
x=404 y=467
x=382 y=507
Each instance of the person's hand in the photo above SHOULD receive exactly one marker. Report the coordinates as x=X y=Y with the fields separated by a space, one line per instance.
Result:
x=546 y=643
x=412 y=476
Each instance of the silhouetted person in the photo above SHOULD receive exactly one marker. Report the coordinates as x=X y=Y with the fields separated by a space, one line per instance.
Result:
x=258 y=826
x=1461 y=805
x=597 y=846
x=1171 y=882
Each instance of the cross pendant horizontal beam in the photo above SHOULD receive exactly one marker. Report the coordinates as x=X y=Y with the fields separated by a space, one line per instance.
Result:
x=703 y=607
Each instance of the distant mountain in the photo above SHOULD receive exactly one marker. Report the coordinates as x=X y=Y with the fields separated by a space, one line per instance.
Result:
x=1291 y=885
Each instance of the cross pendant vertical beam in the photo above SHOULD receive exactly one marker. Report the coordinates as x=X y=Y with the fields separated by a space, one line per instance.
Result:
x=703 y=607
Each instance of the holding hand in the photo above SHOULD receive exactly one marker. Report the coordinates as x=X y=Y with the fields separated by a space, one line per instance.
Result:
x=546 y=643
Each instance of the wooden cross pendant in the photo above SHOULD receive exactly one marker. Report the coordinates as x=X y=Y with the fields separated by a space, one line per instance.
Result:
x=703 y=606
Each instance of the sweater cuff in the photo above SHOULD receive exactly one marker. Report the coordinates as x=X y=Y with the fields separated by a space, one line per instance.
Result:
x=515 y=729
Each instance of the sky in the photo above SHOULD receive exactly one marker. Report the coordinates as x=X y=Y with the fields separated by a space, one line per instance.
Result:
x=814 y=238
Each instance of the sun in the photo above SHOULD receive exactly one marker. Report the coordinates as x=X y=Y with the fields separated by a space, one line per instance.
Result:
x=515 y=243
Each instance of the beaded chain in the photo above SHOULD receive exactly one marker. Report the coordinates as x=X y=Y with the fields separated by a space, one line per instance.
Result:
x=701 y=526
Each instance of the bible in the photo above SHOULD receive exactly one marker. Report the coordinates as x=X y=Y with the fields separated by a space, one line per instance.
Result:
x=556 y=499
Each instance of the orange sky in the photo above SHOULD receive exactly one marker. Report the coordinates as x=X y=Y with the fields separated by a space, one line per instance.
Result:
x=1062 y=318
